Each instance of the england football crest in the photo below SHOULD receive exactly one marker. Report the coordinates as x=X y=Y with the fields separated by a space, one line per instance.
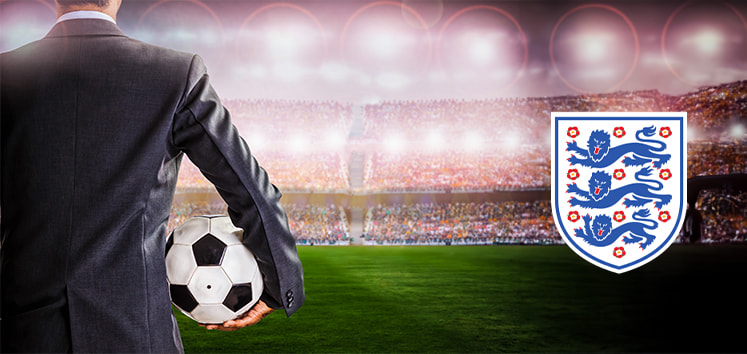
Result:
x=619 y=184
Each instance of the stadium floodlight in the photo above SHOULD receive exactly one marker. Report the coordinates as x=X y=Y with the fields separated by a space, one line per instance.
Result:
x=256 y=141
x=282 y=43
x=594 y=36
x=692 y=133
x=737 y=131
x=594 y=46
x=394 y=143
x=298 y=143
x=382 y=43
x=334 y=140
x=434 y=140
x=290 y=42
x=486 y=47
x=473 y=141
x=482 y=51
x=707 y=41
x=512 y=141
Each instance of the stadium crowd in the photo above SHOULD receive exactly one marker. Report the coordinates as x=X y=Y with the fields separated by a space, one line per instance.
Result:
x=184 y=210
x=511 y=152
x=724 y=215
x=269 y=124
x=292 y=172
x=461 y=223
x=716 y=158
x=318 y=225
x=309 y=224
x=458 y=171
x=712 y=108
x=509 y=155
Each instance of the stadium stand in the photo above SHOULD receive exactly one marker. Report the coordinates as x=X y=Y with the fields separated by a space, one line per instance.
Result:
x=461 y=224
x=318 y=147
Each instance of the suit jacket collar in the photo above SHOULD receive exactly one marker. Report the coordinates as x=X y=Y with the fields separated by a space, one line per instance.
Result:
x=84 y=27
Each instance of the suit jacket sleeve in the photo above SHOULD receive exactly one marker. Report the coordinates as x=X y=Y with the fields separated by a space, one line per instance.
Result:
x=203 y=130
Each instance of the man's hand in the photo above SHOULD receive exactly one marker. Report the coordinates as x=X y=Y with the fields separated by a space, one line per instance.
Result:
x=258 y=312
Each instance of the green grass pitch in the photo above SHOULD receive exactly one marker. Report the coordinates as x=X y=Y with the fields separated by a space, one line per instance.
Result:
x=501 y=299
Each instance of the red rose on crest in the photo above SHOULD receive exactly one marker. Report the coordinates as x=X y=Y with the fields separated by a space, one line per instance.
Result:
x=573 y=132
x=619 y=174
x=619 y=132
x=665 y=132
x=573 y=216
x=664 y=216
x=573 y=174
x=619 y=216
x=619 y=252
x=665 y=174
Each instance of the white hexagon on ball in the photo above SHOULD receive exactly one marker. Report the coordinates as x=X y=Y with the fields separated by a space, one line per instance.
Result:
x=211 y=313
x=235 y=263
x=222 y=228
x=191 y=231
x=180 y=264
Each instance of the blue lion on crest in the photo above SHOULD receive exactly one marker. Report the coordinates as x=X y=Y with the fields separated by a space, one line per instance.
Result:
x=600 y=195
x=599 y=152
x=600 y=233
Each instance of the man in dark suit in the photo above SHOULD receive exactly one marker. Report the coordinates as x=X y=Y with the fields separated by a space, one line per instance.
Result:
x=94 y=126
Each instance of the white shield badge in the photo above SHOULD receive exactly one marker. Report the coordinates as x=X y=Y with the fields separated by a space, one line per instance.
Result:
x=619 y=184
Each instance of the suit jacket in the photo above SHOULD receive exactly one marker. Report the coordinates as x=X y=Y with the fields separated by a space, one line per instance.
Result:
x=94 y=126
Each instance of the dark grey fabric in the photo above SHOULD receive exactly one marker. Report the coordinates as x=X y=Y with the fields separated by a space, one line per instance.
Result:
x=94 y=126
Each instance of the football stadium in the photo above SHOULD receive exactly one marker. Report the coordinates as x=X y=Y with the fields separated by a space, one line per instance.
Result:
x=412 y=143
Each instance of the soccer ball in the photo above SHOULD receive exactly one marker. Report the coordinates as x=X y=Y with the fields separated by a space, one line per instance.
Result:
x=212 y=276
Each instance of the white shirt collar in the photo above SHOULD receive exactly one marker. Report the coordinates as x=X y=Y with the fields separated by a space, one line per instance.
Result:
x=76 y=15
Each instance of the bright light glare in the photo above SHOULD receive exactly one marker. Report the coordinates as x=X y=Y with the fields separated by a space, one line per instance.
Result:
x=257 y=141
x=473 y=141
x=511 y=141
x=481 y=51
x=384 y=44
x=737 y=131
x=334 y=141
x=394 y=143
x=284 y=43
x=434 y=141
x=594 y=47
x=483 y=47
x=708 y=41
x=298 y=143
x=692 y=133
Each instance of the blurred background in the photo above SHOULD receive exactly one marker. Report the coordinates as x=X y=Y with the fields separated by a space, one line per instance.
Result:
x=427 y=121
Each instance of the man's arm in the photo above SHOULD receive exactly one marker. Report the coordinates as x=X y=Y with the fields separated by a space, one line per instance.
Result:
x=203 y=130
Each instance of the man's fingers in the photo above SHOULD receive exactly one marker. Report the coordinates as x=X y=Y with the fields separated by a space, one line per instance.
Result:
x=256 y=314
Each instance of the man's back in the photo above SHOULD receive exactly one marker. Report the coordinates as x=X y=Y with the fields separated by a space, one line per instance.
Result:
x=93 y=124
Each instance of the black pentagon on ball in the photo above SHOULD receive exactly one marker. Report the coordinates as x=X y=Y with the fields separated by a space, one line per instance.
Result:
x=182 y=297
x=239 y=296
x=169 y=242
x=209 y=251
